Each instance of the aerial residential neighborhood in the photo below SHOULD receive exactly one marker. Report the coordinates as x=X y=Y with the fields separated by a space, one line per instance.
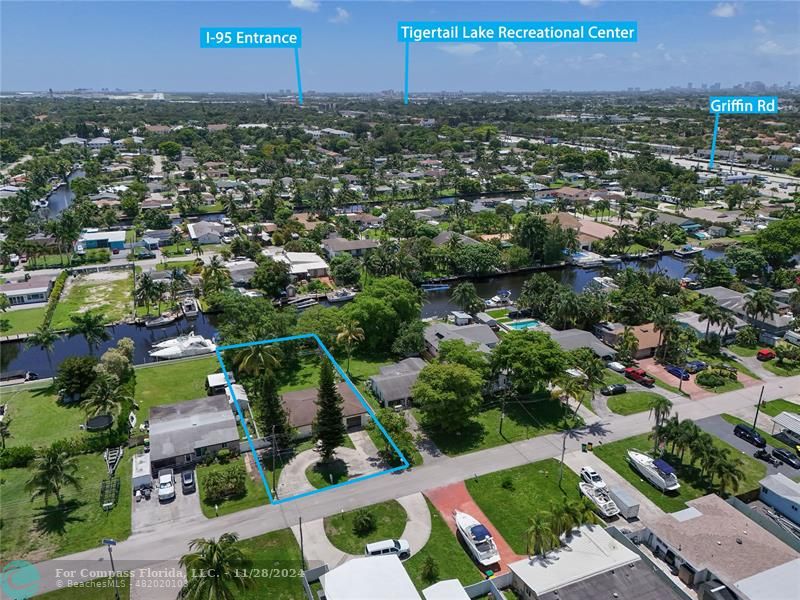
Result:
x=395 y=335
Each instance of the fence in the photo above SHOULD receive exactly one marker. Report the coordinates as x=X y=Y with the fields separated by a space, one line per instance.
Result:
x=490 y=586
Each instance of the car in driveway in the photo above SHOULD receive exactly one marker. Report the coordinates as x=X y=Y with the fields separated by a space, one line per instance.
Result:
x=614 y=389
x=765 y=354
x=750 y=435
x=695 y=366
x=187 y=482
x=399 y=547
x=592 y=477
x=786 y=456
x=677 y=372
x=616 y=366
x=640 y=376
x=166 y=485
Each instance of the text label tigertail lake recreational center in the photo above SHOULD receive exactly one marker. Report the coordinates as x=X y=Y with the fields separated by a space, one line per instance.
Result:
x=743 y=105
x=537 y=31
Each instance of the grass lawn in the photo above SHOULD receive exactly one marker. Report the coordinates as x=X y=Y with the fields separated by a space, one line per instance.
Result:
x=612 y=377
x=742 y=350
x=775 y=407
x=533 y=488
x=728 y=386
x=308 y=373
x=36 y=418
x=186 y=265
x=786 y=370
x=770 y=439
x=631 y=402
x=169 y=382
x=712 y=359
x=322 y=475
x=277 y=553
x=113 y=298
x=450 y=557
x=23 y=321
x=668 y=387
x=99 y=589
x=34 y=532
x=523 y=420
x=390 y=521
x=255 y=495
x=692 y=484
x=497 y=313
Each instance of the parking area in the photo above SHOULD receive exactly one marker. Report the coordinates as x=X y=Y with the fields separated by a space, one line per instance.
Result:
x=660 y=373
x=147 y=515
x=719 y=427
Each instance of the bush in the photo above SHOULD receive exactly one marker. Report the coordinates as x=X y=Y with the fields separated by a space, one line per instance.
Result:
x=16 y=457
x=76 y=374
x=364 y=523
x=747 y=336
x=713 y=378
x=507 y=483
x=55 y=296
x=224 y=456
x=430 y=570
x=225 y=484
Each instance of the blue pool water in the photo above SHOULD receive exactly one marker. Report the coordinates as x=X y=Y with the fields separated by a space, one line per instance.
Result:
x=524 y=324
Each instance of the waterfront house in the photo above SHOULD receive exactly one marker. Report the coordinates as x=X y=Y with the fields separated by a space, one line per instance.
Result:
x=337 y=245
x=114 y=240
x=35 y=289
x=205 y=232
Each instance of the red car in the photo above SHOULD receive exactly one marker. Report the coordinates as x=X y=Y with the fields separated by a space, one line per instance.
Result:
x=639 y=376
x=765 y=354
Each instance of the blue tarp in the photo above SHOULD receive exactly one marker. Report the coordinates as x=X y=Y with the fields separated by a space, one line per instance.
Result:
x=664 y=466
x=479 y=533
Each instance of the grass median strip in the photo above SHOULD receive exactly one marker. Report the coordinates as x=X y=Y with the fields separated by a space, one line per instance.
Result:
x=351 y=531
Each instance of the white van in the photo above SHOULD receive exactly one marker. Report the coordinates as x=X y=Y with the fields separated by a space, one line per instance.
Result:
x=399 y=547
x=792 y=337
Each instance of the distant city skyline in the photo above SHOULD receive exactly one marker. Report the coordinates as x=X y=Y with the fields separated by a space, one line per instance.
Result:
x=352 y=47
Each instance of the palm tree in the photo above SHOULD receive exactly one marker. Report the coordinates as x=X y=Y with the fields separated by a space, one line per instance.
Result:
x=197 y=249
x=145 y=291
x=216 y=569
x=5 y=431
x=661 y=321
x=91 y=325
x=726 y=323
x=349 y=334
x=760 y=304
x=540 y=538
x=687 y=432
x=256 y=359
x=709 y=311
x=215 y=276
x=728 y=471
x=45 y=338
x=105 y=396
x=582 y=511
x=466 y=297
x=594 y=373
x=177 y=283
x=561 y=519
x=660 y=408
x=52 y=472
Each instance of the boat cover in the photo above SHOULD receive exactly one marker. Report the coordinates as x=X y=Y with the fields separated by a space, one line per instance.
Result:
x=480 y=533
x=664 y=466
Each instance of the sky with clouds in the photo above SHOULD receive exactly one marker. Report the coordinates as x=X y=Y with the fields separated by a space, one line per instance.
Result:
x=352 y=46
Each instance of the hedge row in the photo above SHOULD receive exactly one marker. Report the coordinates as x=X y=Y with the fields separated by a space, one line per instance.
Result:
x=55 y=296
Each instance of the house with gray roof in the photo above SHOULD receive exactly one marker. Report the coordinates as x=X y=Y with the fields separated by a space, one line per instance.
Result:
x=445 y=236
x=392 y=386
x=782 y=494
x=205 y=232
x=184 y=433
x=482 y=335
x=339 y=245
x=572 y=339
x=771 y=328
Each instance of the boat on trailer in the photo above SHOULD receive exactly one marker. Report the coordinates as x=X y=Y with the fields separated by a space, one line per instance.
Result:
x=478 y=539
x=603 y=503
x=657 y=471
x=687 y=251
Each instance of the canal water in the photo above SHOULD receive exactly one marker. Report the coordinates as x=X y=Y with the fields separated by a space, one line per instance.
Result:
x=16 y=356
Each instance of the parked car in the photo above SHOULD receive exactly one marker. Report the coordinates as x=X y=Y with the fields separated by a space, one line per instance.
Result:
x=187 y=482
x=748 y=434
x=786 y=456
x=639 y=376
x=677 y=372
x=616 y=366
x=614 y=389
x=767 y=457
x=399 y=547
x=765 y=354
x=143 y=254
x=166 y=485
x=695 y=366
x=592 y=477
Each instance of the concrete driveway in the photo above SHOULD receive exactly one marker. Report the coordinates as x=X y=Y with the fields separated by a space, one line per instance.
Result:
x=719 y=427
x=148 y=515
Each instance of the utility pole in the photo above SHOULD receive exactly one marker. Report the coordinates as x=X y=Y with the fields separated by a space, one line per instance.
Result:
x=302 y=551
x=758 y=406
x=110 y=542
x=274 y=452
x=502 y=411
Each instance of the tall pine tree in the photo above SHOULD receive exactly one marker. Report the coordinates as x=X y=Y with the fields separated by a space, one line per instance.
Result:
x=329 y=429
x=272 y=412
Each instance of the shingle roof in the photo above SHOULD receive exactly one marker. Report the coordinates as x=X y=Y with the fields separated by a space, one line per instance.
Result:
x=475 y=333
x=302 y=408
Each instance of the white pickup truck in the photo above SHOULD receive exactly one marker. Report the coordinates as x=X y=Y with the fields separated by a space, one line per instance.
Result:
x=166 y=485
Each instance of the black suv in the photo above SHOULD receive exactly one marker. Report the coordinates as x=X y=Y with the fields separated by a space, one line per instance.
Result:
x=785 y=456
x=750 y=435
x=187 y=482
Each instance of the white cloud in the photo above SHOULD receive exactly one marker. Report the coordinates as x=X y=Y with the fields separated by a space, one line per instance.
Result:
x=759 y=27
x=540 y=61
x=725 y=10
x=510 y=49
x=597 y=56
x=341 y=17
x=589 y=2
x=461 y=49
x=667 y=57
x=772 y=48
x=309 y=5
x=661 y=47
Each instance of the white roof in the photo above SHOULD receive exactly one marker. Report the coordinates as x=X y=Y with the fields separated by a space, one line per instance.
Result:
x=780 y=484
x=141 y=466
x=218 y=379
x=299 y=262
x=790 y=421
x=111 y=236
x=449 y=589
x=591 y=551
x=778 y=583
x=369 y=578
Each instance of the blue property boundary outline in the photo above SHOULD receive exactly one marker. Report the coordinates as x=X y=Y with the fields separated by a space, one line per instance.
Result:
x=358 y=395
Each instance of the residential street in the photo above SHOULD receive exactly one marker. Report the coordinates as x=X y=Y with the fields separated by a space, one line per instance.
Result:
x=168 y=543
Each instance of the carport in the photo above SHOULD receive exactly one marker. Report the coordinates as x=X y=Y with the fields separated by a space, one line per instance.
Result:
x=789 y=424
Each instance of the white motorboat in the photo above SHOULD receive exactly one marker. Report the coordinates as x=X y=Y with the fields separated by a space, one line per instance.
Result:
x=657 y=471
x=605 y=283
x=614 y=259
x=478 y=539
x=190 y=307
x=502 y=298
x=342 y=295
x=603 y=503
x=687 y=251
x=190 y=346
x=181 y=339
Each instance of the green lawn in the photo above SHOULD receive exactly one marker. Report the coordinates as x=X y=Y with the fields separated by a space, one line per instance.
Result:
x=390 y=521
x=742 y=350
x=322 y=475
x=450 y=557
x=307 y=375
x=38 y=420
x=693 y=485
x=668 y=387
x=169 y=382
x=534 y=487
x=786 y=370
x=186 y=265
x=278 y=554
x=728 y=386
x=770 y=439
x=34 y=532
x=99 y=589
x=26 y=320
x=497 y=313
x=774 y=407
x=523 y=420
x=255 y=495
x=631 y=402
x=113 y=298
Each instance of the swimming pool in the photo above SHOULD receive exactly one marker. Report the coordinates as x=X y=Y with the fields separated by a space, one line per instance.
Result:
x=523 y=324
